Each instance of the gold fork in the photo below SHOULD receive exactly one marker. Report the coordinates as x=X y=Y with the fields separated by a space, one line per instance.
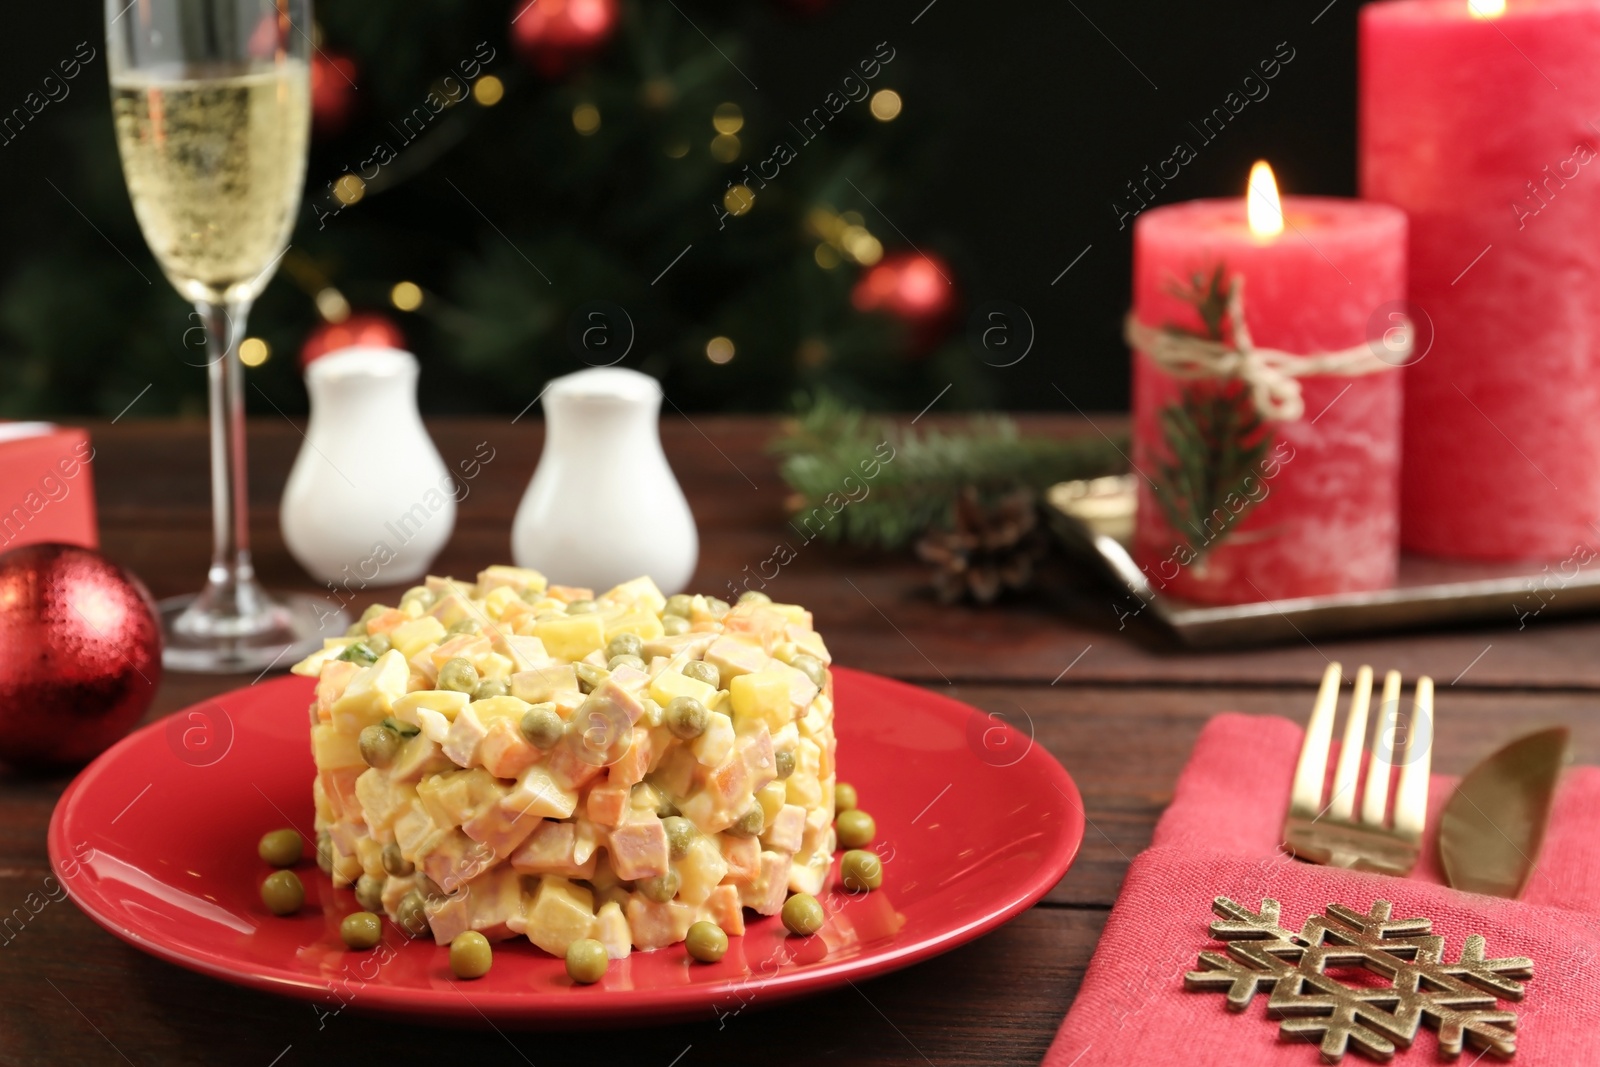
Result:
x=1329 y=831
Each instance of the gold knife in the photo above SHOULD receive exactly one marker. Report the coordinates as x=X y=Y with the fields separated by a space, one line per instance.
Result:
x=1492 y=828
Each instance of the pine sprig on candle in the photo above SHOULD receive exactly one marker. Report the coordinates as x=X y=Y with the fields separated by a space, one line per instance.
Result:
x=1216 y=439
x=829 y=447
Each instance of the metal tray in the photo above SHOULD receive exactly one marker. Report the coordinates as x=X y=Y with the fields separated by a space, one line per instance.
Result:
x=1094 y=520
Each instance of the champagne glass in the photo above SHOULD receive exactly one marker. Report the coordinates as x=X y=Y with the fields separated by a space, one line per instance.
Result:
x=212 y=103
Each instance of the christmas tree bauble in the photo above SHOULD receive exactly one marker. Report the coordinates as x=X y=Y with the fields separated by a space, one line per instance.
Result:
x=333 y=92
x=364 y=328
x=915 y=288
x=556 y=36
x=82 y=654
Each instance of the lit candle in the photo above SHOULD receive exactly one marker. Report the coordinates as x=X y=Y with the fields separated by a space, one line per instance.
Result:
x=1479 y=119
x=1269 y=456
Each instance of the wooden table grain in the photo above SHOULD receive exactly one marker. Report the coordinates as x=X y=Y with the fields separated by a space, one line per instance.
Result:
x=1119 y=708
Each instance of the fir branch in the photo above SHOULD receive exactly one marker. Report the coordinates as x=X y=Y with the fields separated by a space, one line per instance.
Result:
x=833 y=453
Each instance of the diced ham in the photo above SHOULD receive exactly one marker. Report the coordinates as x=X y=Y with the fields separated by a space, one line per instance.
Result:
x=567 y=764
x=465 y=736
x=770 y=888
x=693 y=644
x=336 y=675
x=607 y=804
x=549 y=850
x=487 y=904
x=638 y=849
x=756 y=751
x=635 y=763
x=500 y=831
x=505 y=753
x=658 y=925
x=744 y=858
x=787 y=832
x=455 y=860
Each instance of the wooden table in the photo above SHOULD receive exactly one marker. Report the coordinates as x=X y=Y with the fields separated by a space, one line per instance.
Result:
x=1119 y=709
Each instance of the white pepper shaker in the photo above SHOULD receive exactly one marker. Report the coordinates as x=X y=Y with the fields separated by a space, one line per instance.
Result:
x=603 y=506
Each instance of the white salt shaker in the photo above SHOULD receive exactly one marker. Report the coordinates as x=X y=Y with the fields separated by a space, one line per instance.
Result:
x=369 y=501
x=603 y=506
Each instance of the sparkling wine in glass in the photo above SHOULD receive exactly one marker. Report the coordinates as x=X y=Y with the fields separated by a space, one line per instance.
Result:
x=211 y=100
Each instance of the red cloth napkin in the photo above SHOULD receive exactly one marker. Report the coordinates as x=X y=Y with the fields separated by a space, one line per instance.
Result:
x=1220 y=837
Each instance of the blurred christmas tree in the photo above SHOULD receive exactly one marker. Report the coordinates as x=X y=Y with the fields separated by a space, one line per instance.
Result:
x=519 y=189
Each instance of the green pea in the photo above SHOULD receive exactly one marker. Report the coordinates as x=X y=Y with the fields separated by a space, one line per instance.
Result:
x=844 y=796
x=325 y=852
x=812 y=668
x=680 y=835
x=706 y=942
x=679 y=604
x=785 y=762
x=687 y=718
x=468 y=625
x=282 y=893
x=673 y=625
x=358 y=653
x=489 y=688
x=582 y=607
x=361 y=930
x=717 y=607
x=458 y=674
x=587 y=961
x=379 y=745
x=379 y=643
x=802 y=915
x=281 y=848
x=624 y=645
x=542 y=726
x=701 y=671
x=369 y=892
x=470 y=955
x=751 y=823
x=661 y=887
x=412 y=915
x=395 y=863
x=860 y=870
x=752 y=596
x=855 y=828
x=625 y=661
x=590 y=677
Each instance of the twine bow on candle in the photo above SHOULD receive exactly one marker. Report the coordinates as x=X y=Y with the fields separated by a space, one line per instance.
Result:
x=1273 y=376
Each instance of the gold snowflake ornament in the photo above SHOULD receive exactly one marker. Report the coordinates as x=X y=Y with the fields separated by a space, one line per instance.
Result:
x=1460 y=1000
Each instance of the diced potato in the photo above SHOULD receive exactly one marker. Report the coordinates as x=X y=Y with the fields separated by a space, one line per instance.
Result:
x=762 y=697
x=644 y=623
x=446 y=702
x=670 y=684
x=641 y=592
x=572 y=637
x=561 y=913
x=333 y=749
x=409 y=637
x=538 y=794
x=734 y=656
x=515 y=578
x=370 y=696
x=700 y=871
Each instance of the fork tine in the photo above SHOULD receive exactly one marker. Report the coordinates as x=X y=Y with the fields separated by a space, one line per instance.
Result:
x=1343 y=801
x=1375 y=800
x=1411 y=795
x=1305 y=798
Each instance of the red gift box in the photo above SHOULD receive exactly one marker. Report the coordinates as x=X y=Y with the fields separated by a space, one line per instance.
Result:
x=46 y=486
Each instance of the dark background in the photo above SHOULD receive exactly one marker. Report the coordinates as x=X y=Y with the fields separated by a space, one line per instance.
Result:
x=1042 y=111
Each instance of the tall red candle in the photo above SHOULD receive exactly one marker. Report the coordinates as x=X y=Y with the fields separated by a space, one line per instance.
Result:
x=1484 y=130
x=1297 y=506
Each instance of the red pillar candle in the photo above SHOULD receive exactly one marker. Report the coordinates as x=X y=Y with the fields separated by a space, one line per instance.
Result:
x=1484 y=129
x=1235 y=507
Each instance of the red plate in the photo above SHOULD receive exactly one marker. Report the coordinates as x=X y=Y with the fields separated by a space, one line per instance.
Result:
x=156 y=841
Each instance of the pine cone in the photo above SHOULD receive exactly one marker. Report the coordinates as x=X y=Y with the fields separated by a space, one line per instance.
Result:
x=989 y=549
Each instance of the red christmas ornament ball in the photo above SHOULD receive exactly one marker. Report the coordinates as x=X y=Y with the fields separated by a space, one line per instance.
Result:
x=554 y=36
x=913 y=287
x=333 y=93
x=83 y=654
x=365 y=328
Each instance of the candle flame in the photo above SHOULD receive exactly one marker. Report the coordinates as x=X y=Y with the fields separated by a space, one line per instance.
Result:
x=1262 y=206
x=1486 y=9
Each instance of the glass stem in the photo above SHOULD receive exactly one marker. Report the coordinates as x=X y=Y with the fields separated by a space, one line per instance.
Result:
x=231 y=589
